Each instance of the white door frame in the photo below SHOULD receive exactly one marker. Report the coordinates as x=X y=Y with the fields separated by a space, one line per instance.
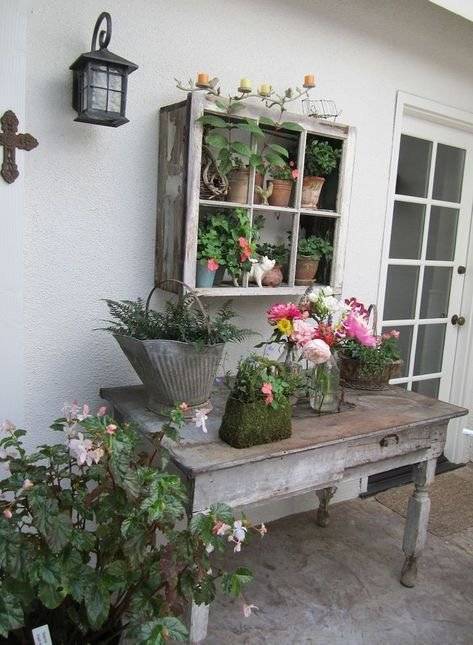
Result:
x=458 y=448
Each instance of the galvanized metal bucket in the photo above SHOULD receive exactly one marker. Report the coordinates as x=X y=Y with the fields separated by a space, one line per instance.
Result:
x=173 y=371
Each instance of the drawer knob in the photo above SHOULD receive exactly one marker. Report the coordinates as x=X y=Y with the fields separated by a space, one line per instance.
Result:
x=389 y=440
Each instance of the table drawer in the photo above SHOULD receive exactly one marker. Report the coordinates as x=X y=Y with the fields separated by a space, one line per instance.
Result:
x=392 y=444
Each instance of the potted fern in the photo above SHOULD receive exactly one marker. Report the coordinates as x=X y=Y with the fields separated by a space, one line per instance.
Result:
x=175 y=352
x=321 y=159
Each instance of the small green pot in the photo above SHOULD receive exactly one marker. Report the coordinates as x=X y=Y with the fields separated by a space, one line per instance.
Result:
x=251 y=424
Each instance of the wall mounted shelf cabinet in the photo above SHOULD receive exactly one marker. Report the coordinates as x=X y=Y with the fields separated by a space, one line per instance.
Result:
x=181 y=204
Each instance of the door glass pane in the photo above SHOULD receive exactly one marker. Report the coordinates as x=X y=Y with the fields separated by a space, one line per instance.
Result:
x=436 y=292
x=429 y=349
x=442 y=233
x=405 y=342
x=413 y=166
x=401 y=292
x=407 y=229
x=448 y=178
x=429 y=387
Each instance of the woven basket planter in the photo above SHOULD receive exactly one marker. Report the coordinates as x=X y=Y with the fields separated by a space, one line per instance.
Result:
x=173 y=371
x=251 y=424
x=353 y=374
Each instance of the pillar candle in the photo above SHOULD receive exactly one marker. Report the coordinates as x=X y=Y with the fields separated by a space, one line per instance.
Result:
x=245 y=84
x=309 y=80
x=264 y=89
x=202 y=79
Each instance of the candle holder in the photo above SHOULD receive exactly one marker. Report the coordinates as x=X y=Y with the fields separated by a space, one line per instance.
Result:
x=244 y=90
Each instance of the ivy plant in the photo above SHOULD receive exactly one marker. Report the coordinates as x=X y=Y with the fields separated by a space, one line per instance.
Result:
x=78 y=528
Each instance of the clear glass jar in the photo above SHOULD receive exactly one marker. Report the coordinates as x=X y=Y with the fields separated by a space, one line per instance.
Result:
x=325 y=393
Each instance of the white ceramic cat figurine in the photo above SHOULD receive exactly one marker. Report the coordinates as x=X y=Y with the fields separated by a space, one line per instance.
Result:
x=258 y=269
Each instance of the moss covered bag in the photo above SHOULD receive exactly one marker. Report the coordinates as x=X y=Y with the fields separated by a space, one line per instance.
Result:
x=250 y=424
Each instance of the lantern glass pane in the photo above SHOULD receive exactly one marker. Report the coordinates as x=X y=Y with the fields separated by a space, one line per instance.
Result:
x=114 y=101
x=98 y=99
x=114 y=80
x=99 y=76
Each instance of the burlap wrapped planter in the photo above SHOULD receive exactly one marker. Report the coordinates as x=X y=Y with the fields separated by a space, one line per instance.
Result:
x=251 y=424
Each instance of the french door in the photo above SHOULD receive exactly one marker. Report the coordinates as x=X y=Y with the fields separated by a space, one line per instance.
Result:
x=427 y=254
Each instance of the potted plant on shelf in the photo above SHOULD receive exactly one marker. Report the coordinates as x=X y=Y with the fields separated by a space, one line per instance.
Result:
x=368 y=361
x=78 y=526
x=209 y=254
x=282 y=179
x=309 y=252
x=321 y=159
x=175 y=352
x=258 y=409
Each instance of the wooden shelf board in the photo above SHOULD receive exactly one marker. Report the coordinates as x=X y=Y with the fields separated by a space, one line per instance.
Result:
x=273 y=209
x=218 y=204
x=229 y=291
x=319 y=213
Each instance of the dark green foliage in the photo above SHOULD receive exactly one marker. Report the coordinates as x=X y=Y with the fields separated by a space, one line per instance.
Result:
x=251 y=424
x=321 y=158
x=373 y=360
x=314 y=247
x=181 y=320
x=78 y=525
x=278 y=252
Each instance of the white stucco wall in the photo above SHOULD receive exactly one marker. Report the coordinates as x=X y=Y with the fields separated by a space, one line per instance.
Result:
x=90 y=192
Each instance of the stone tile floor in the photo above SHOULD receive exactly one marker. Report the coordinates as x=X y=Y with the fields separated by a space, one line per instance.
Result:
x=340 y=585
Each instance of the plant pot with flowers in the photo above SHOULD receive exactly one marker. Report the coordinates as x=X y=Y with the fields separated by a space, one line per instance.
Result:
x=282 y=180
x=368 y=361
x=258 y=409
x=89 y=566
x=309 y=252
x=321 y=159
x=175 y=352
x=209 y=254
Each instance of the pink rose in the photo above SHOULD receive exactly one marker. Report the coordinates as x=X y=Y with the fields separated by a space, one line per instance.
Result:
x=303 y=332
x=212 y=265
x=316 y=351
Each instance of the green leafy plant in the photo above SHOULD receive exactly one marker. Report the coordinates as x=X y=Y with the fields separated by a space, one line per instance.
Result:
x=321 y=158
x=372 y=360
x=209 y=243
x=78 y=527
x=277 y=252
x=315 y=247
x=260 y=379
x=288 y=171
x=180 y=321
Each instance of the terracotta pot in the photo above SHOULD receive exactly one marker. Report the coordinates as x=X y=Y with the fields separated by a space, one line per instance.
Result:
x=273 y=277
x=257 y=199
x=311 y=189
x=355 y=374
x=281 y=194
x=306 y=268
x=238 y=186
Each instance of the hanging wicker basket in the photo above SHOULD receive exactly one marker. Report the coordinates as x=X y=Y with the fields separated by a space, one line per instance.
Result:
x=173 y=371
x=361 y=376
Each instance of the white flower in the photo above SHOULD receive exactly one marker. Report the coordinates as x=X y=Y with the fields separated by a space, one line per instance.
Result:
x=7 y=426
x=27 y=484
x=313 y=296
x=85 y=414
x=84 y=452
x=209 y=548
x=200 y=419
x=248 y=609
x=239 y=531
x=327 y=291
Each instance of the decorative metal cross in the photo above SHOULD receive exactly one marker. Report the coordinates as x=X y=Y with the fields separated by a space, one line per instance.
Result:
x=10 y=140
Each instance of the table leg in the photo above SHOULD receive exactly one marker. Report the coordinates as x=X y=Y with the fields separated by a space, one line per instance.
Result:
x=415 y=532
x=324 y=495
x=199 y=618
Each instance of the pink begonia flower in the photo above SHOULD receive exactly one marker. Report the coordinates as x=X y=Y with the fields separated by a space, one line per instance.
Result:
x=303 y=332
x=262 y=530
x=238 y=535
x=295 y=173
x=84 y=452
x=279 y=311
x=220 y=528
x=248 y=609
x=85 y=414
x=316 y=351
x=8 y=514
x=183 y=406
x=267 y=390
x=27 y=484
x=111 y=428
x=102 y=411
x=394 y=333
x=8 y=426
x=357 y=327
x=200 y=419
x=212 y=265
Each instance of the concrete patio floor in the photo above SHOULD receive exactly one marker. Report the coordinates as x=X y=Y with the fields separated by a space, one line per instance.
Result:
x=340 y=585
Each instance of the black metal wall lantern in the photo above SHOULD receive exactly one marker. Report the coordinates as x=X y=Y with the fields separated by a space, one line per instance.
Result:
x=100 y=81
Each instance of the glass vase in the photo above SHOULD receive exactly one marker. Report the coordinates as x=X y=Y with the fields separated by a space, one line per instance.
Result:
x=325 y=393
x=292 y=361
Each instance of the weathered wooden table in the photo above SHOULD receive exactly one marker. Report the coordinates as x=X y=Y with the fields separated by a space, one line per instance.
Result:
x=379 y=431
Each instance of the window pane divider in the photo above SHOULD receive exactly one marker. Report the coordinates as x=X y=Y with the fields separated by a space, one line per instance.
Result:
x=419 y=377
x=413 y=321
x=426 y=200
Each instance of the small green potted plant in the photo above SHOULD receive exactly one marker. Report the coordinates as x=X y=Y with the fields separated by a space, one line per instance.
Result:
x=309 y=252
x=209 y=254
x=282 y=179
x=175 y=352
x=321 y=159
x=78 y=526
x=258 y=409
